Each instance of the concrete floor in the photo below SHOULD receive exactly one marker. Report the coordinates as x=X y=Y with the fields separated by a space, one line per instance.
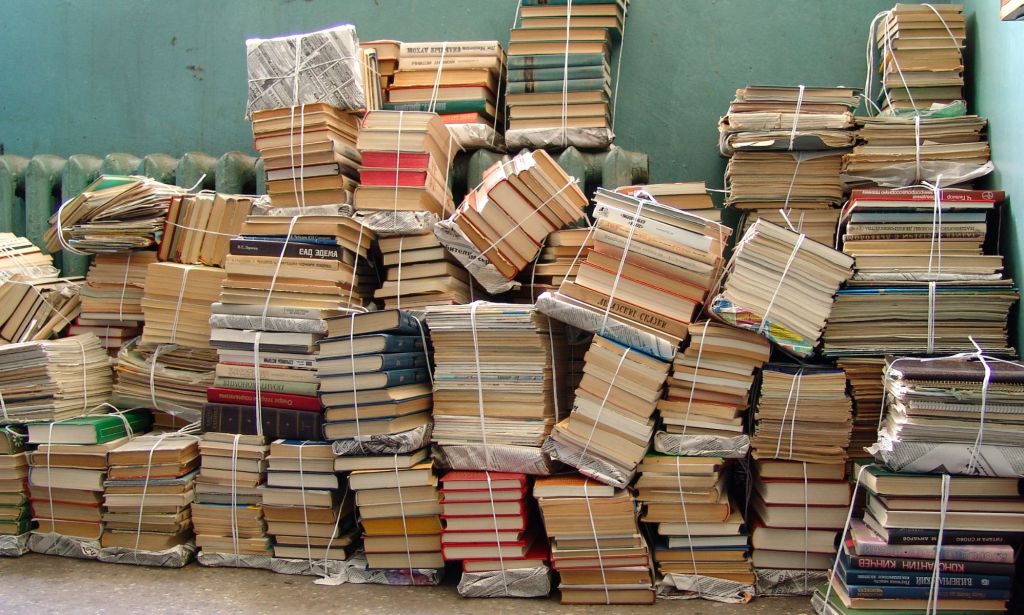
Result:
x=45 y=584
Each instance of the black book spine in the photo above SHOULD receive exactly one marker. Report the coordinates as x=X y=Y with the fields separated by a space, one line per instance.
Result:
x=256 y=247
x=277 y=422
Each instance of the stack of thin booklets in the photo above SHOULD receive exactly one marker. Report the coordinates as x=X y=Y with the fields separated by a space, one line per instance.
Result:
x=68 y=469
x=309 y=154
x=374 y=375
x=698 y=532
x=400 y=511
x=923 y=281
x=113 y=214
x=54 y=379
x=228 y=508
x=556 y=264
x=921 y=48
x=651 y=265
x=514 y=209
x=781 y=284
x=406 y=156
x=708 y=390
x=609 y=429
x=171 y=380
x=148 y=493
x=306 y=512
x=494 y=381
x=596 y=546
x=15 y=511
x=37 y=307
x=864 y=375
x=888 y=560
x=785 y=146
x=176 y=303
x=112 y=297
x=692 y=197
x=420 y=272
x=488 y=522
x=387 y=52
x=19 y=255
x=797 y=510
x=199 y=227
x=459 y=80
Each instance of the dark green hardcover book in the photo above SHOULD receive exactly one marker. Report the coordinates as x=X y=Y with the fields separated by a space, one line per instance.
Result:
x=555 y=73
x=555 y=60
x=477 y=105
x=572 y=85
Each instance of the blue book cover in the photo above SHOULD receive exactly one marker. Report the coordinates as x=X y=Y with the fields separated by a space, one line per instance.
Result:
x=893 y=578
x=921 y=593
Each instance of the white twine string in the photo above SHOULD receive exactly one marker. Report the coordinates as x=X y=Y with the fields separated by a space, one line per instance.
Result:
x=497 y=535
x=479 y=385
x=846 y=530
x=618 y=65
x=686 y=523
x=693 y=385
x=565 y=75
x=405 y=526
x=794 y=387
x=931 y=318
x=604 y=401
x=782 y=280
x=234 y=495
x=622 y=261
x=796 y=119
x=177 y=307
x=124 y=286
x=597 y=542
x=932 y=607
x=258 y=397
x=432 y=106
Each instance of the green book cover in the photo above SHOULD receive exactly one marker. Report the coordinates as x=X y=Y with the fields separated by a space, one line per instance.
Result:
x=107 y=427
x=477 y=105
x=547 y=74
x=566 y=2
x=12 y=439
x=16 y=528
x=274 y=386
x=555 y=60
x=572 y=85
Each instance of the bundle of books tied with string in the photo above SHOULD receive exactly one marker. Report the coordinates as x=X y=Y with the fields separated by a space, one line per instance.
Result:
x=35 y=303
x=15 y=508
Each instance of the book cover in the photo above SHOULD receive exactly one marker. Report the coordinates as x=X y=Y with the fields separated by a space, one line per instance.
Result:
x=556 y=85
x=555 y=61
x=306 y=403
x=478 y=105
x=294 y=249
x=555 y=73
x=277 y=422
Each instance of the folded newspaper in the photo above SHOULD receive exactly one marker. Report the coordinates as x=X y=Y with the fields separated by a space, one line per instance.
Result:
x=700 y=445
x=675 y=586
x=448 y=233
x=511 y=583
x=519 y=459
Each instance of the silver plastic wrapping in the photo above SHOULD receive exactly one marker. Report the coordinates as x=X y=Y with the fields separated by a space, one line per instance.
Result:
x=513 y=583
x=590 y=320
x=49 y=543
x=698 y=445
x=290 y=325
x=518 y=459
x=448 y=233
x=175 y=557
x=357 y=571
x=14 y=545
x=230 y=560
x=477 y=136
x=385 y=444
x=263 y=206
x=928 y=457
x=294 y=70
x=675 y=586
x=776 y=582
x=901 y=174
x=397 y=223
x=587 y=464
x=556 y=138
x=324 y=568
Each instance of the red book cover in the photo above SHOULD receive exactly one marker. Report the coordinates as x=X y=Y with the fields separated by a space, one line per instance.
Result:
x=410 y=161
x=450 y=495
x=485 y=508
x=392 y=177
x=469 y=480
x=220 y=395
x=925 y=194
x=523 y=544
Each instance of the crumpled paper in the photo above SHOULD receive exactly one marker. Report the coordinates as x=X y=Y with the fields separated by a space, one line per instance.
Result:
x=14 y=545
x=512 y=583
x=49 y=543
x=175 y=557
x=675 y=586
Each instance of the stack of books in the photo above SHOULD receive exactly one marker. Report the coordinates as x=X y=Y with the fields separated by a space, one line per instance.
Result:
x=458 y=80
x=781 y=285
x=302 y=502
x=148 y=493
x=420 y=272
x=406 y=156
x=15 y=511
x=611 y=423
x=37 y=307
x=888 y=560
x=176 y=303
x=170 y=380
x=113 y=214
x=698 y=531
x=200 y=226
x=922 y=57
x=653 y=264
x=68 y=468
x=596 y=545
x=802 y=414
x=374 y=375
x=488 y=522
x=556 y=264
x=112 y=297
x=400 y=511
x=923 y=282
x=19 y=255
x=797 y=512
x=309 y=154
x=864 y=375
x=589 y=14
x=387 y=60
x=228 y=508
x=514 y=209
x=708 y=390
x=54 y=379
x=691 y=197
x=494 y=380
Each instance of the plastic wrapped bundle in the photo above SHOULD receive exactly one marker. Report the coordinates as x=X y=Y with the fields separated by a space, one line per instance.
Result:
x=676 y=586
x=14 y=545
x=49 y=543
x=177 y=556
x=513 y=583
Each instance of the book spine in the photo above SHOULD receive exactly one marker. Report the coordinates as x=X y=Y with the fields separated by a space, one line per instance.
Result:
x=256 y=247
x=949 y=552
x=457 y=62
x=643 y=244
x=921 y=593
x=921 y=237
x=220 y=395
x=911 y=196
x=900 y=564
x=388 y=177
x=654 y=228
x=277 y=422
x=276 y=362
x=556 y=85
x=878 y=228
x=910 y=536
x=476 y=48
x=391 y=160
x=478 y=105
x=555 y=73
x=272 y=386
x=966 y=581
x=555 y=61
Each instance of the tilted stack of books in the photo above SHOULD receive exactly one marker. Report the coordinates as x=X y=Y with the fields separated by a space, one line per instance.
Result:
x=199 y=227
x=781 y=284
x=112 y=297
x=458 y=80
x=387 y=52
x=420 y=272
x=176 y=303
x=692 y=197
x=15 y=511
x=864 y=375
x=36 y=305
x=169 y=379
x=923 y=282
x=399 y=508
x=556 y=264
x=609 y=429
x=406 y=157
x=306 y=503
x=309 y=154
x=228 y=508
x=596 y=545
x=148 y=493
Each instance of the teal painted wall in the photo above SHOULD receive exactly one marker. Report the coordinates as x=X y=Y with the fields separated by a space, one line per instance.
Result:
x=95 y=76
x=995 y=72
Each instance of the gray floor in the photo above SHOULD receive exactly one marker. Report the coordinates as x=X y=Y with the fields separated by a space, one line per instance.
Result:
x=46 y=584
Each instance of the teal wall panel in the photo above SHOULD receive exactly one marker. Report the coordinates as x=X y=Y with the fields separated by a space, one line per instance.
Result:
x=95 y=76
